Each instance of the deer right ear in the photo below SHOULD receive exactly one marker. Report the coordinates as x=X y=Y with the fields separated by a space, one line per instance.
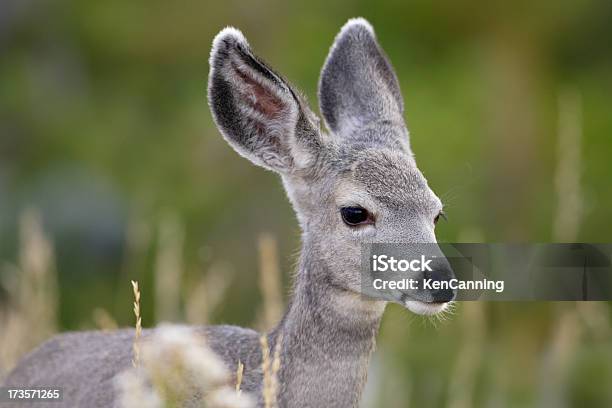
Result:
x=257 y=112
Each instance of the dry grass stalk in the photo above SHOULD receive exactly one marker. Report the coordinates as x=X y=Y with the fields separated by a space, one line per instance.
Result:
x=30 y=316
x=596 y=317
x=38 y=297
x=103 y=320
x=465 y=371
x=138 y=237
x=269 y=281
x=268 y=395
x=208 y=294
x=270 y=369
x=276 y=362
x=169 y=268
x=556 y=365
x=239 y=373
x=138 y=333
x=567 y=175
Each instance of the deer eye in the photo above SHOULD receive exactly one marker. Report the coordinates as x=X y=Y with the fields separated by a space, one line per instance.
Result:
x=356 y=216
x=440 y=214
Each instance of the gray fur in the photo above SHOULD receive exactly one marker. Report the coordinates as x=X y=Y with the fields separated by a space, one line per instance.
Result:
x=329 y=328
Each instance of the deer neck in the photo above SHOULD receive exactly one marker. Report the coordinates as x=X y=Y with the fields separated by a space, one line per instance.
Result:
x=328 y=335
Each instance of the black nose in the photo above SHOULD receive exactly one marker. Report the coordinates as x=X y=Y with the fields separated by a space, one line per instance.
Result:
x=442 y=273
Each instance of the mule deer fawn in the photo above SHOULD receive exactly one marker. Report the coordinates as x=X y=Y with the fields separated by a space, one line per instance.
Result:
x=358 y=183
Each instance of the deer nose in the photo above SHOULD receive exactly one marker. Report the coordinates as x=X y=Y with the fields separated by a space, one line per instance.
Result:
x=441 y=272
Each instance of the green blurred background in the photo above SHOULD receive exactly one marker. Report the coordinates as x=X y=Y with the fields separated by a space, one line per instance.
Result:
x=105 y=130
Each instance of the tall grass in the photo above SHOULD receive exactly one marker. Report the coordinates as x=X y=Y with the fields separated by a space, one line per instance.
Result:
x=568 y=213
x=572 y=320
x=208 y=293
x=178 y=369
x=270 y=282
x=178 y=356
x=270 y=366
x=566 y=331
x=169 y=268
x=174 y=367
x=175 y=364
x=31 y=313
x=469 y=361
x=103 y=319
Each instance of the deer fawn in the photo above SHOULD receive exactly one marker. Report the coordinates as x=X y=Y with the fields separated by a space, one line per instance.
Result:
x=358 y=183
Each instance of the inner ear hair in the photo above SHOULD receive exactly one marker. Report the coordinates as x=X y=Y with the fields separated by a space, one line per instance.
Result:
x=256 y=110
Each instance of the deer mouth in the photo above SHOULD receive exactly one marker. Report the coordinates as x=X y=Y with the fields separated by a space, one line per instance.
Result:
x=425 y=308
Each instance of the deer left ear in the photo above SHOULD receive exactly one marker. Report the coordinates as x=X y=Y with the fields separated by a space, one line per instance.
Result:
x=257 y=111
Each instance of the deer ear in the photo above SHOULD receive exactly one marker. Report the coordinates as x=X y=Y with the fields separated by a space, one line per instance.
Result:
x=358 y=84
x=257 y=112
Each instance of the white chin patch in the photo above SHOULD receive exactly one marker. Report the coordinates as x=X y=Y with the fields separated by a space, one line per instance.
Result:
x=426 y=309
